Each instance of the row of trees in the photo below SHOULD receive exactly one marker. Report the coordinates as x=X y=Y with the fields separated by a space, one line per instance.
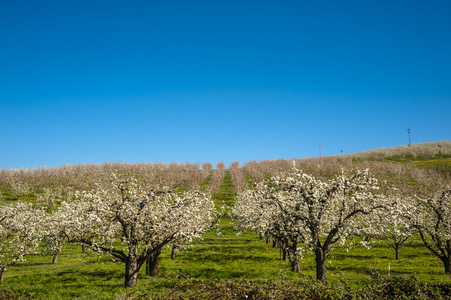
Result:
x=299 y=209
x=120 y=216
x=85 y=176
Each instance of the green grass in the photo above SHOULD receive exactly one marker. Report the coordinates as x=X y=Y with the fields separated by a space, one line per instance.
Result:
x=203 y=186
x=181 y=188
x=438 y=162
x=76 y=275
x=407 y=158
x=226 y=193
x=213 y=259
x=31 y=196
x=442 y=165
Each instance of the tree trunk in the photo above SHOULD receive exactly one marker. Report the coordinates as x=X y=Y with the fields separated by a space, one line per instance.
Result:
x=131 y=271
x=84 y=248
x=268 y=239
x=397 y=251
x=284 y=252
x=321 y=271
x=275 y=243
x=55 y=256
x=447 y=263
x=152 y=264
x=173 y=252
x=294 y=259
x=295 y=267
x=56 y=253
x=2 y=274
x=132 y=266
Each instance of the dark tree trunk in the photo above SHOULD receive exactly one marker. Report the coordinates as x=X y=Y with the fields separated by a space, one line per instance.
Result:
x=321 y=271
x=397 y=251
x=84 y=248
x=448 y=266
x=173 y=252
x=152 y=264
x=131 y=271
x=447 y=259
x=268 y=239
x=275 y=243
x=131 y=267
x=2 y=274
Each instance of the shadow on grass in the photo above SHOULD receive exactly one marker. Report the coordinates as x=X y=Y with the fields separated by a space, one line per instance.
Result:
x=230 y=257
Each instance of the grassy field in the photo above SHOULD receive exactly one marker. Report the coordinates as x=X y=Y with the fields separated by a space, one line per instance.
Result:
x=218 y=257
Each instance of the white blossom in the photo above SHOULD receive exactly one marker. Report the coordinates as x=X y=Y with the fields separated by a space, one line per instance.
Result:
x=298 y=207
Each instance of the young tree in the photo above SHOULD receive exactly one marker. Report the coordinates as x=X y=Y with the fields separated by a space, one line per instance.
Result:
x=432 y=219
x=20 y=233
x=390 y=223
x=56 y=226
x=52 y=197
x=18 y=187
x=143 y=220
x=320 y=213
x=238 y=178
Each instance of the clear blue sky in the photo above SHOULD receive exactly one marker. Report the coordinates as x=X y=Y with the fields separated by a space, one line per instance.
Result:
x=195 y=81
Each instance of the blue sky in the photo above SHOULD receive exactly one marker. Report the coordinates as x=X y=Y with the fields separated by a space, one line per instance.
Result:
x=195 y=81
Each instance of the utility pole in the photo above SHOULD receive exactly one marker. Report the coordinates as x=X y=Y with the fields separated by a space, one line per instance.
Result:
x=408 y=130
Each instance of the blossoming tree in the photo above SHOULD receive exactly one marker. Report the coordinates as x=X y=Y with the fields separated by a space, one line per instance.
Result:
x=253 y=212
x=390 y=223
x=318 y=213
x=143 y=220
x=18 y=187
x=55 y=227
x=20 y=233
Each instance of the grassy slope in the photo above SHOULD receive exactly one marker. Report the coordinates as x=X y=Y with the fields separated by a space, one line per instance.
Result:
x=442 y=165
x=226 y=193
x=435 y=156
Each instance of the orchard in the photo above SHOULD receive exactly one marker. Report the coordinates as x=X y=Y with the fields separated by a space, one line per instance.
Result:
x=309 y=208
